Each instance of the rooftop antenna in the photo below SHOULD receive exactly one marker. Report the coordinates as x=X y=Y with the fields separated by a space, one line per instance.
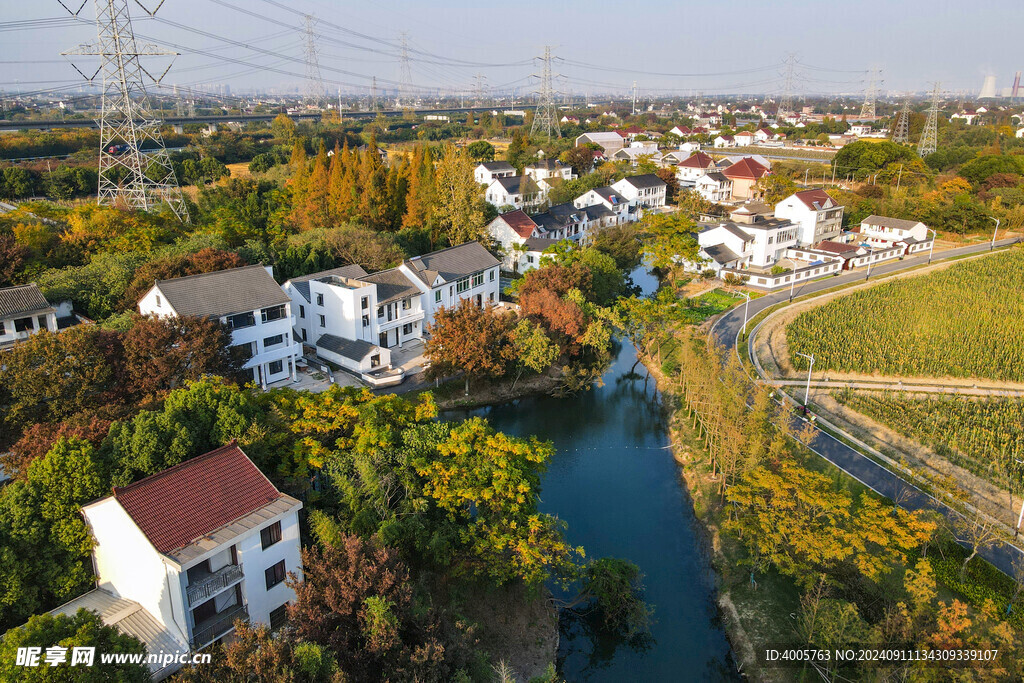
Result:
x=545 y=118
x=314 y=82
x=135 y=170
x=930 y=137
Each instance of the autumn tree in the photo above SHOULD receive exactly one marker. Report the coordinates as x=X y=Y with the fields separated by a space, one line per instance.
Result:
x=470 y=339
x=458 y=209
x=40 y=438
x=205 y=260
x=356 y=601
x=774 y=187
x=161 y=354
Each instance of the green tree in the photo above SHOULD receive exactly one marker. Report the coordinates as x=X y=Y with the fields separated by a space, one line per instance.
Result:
x=533 y=350
x=669 y=240
x=84 y=629
x=481 y=150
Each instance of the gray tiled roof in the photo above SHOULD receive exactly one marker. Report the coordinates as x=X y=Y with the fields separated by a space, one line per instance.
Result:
x=493 y=166
x=609 y=194
x=223 y=292
x=644 y=181
x=886 y=222
x=452 y=263
x=518 y=184
x=301 y=284
x=539 y=243
x=355 y=349
x=391 y=284
x=595 y=211
x=720 y=253
x=22 y=299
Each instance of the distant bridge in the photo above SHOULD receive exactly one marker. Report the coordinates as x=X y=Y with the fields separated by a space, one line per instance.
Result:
x=244 y=118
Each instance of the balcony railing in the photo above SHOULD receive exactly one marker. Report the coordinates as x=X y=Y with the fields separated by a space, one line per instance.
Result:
x=213 y=628
x=203 y=589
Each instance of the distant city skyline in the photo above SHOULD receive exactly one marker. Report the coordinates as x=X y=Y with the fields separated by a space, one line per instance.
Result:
x=666 y=47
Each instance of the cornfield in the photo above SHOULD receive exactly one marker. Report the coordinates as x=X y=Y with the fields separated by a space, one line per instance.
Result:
x=985 y=437
x=965 y=321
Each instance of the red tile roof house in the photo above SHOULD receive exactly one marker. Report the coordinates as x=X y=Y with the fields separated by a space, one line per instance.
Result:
x=744 y=174
x=183 y=553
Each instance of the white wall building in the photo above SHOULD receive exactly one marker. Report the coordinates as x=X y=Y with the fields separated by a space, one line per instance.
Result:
x=249 y=302
x=647 y=191
x=196 y=547
x=693 y=167
x=714 y=187
x=610 y=142
x=548 y=168
x=818 y=215
x=520 y=192
x=486 y=171
x=24 y=311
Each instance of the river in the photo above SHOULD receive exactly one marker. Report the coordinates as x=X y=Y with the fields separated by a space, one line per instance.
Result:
x=614 y=482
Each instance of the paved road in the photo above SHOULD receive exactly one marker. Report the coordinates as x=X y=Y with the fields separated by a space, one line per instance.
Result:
x=865 y=470
x=900 y=386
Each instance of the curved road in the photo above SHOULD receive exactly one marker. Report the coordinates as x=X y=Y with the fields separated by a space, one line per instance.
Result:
x=865 y=470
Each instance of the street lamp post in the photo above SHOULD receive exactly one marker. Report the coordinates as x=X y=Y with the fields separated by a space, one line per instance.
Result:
x=1020 y=517
x=792 y=285
x=994 y=232
x=810 y=369
x=932 y=247
x=745 y=305
x=868 y=275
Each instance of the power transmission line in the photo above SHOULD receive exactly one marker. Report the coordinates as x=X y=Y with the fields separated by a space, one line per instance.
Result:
x=314 y=81
x=545 y=118
x=130 y=175
x=930 y=137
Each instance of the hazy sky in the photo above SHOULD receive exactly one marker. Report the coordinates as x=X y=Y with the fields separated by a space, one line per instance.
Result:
x=601 y=45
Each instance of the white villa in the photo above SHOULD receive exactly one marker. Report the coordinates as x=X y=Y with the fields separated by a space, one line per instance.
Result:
x=520 y=192
x=249 y=302
x=24 y=311
x=818 y=215
x=354 y=318
x=647 y=191
x=487 y=171
x=183 y=553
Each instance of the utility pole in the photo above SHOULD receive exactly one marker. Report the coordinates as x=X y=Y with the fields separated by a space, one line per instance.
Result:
x=901 y=128
x=314 y=82
x=930 y=137
x=373 y=94
x=404 y=74
x=807 y=392
x=545 y=117
x=129 y=175
x=867 y=110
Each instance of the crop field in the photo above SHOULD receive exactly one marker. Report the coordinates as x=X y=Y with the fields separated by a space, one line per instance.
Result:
x=981 y=436
x=965 y=321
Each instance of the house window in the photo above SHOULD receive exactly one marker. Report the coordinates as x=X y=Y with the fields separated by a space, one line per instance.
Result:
x=437 y=296
x=319 y=299
x=529 y=258
x=272 y=341
x=23 y=324
x=323 y=321
x=158 y=301
x=478 y=279
x=492 y=276
x=302 y=311
x=406 y=304
x=490 y=297
x=407 y=328
x=365 y=302
x=380 y=311
x=278 y=617
x=3 y=330
x=303 y=334
x=276 y=367
x=375 y=360
x=270 y=535
x=462 y=285
x=274 y=575
x=245 y=351
x=41 y=322
x=241 y=320
x=272 y=313
x=366 y=321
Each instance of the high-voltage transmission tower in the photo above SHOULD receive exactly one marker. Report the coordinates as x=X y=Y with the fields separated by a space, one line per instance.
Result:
x=634 y=98
x=135 y=170
x=545 y=118
x=901 y=126
x=786 y=101
x=930 y=137
x=314 y=81
x=404 y=74
x=867 y=110
x=480 y=88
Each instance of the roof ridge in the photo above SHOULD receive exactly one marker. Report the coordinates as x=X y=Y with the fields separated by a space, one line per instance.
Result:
x=212 y=272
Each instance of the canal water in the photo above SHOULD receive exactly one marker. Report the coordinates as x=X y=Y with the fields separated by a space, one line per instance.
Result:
x=614 y=482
